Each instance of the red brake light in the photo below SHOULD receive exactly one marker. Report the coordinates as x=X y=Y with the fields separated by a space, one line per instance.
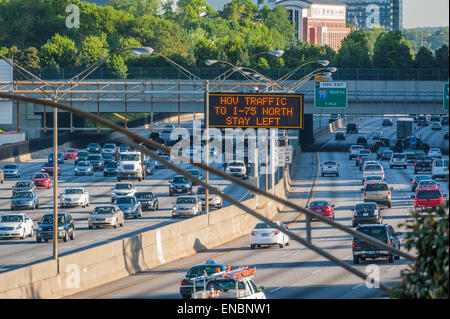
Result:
x=415 y=164
x=388 y=242
x=389 y=192
x=353 y=245
x=277 y=232
x=184 y=283
x=365 y=194
x=253 y=233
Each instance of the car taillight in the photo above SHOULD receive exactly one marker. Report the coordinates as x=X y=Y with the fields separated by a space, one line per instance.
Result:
x=253 y=233
x=415 y=164
x=359 y=158
x=415 y=202
x=184 y=282
x=353 y=245
x=276 y=232
x=365 y=194
x=389 y=192
x=389 y=242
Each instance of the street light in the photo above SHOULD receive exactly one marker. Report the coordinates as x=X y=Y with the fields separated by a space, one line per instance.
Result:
x=295 y=86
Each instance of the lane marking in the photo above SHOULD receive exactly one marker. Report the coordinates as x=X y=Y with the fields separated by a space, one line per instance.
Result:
x=273 y=290
x=360 y=285
x=315 y=272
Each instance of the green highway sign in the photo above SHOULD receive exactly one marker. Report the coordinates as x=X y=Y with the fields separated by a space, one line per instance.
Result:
x=330 y=94
x=446 y=96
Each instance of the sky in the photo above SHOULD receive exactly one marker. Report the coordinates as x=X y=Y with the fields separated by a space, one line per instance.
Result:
x=425 y=13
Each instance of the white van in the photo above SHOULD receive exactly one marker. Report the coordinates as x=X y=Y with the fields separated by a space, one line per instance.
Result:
x=439 y=169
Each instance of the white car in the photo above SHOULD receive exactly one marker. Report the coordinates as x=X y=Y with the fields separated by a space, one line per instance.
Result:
x=186 y=206
x=73 y=197
x=237 y=168
x=373 y=169
x=372 y=179
x=353 y=152
x=122 y=189
x=329 y=167
x=435 y=152
x=264 y=234
x=213 y=199
x=398 y=159
x=436 y=126
x=109 y=148
x=439 y=169
x=16 y=225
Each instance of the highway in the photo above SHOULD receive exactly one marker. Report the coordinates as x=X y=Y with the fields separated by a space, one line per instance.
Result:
x=294 y=271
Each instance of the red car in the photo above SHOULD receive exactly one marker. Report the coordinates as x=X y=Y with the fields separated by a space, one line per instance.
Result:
x=322 y=207
x=48 y=168
x=70 y=154
x=42 y=180
x=428 y=198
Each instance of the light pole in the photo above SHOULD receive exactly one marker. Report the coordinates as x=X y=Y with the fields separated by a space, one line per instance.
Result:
x=295 y=86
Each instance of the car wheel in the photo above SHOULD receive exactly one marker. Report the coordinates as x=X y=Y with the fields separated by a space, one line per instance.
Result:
x=281 y=245
x=72 y=236
x=356 y=260
x=390 y=166
x=66 y=237
x=115 y=225
x=354 y=225
x=391 y=259
x=90 y=227
x=396 y=257
x=38 y=239
x=252 y=246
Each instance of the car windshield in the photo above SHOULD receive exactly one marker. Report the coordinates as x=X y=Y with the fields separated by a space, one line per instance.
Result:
x=10 y=167
x=427 y=182
x=71 y=151
x=357 y=147
x=202 y=270
x=376 y=232
x=144 y=195
x=186 y=200
x=48 y=219
x=111 y=165
x=262 y=226
x=330 y=163
x=399 y=155
x=83 y=164
x=201 y=190
x=103 y=210
x=124 y=186
x=435 y=150
x=11 y=219
x=195 y=173
x=82 y=153
x=70 y=191
x=180 y=179
x=109 y=146
x=374 y=178
x=372 y=167
x=351 y=125
x=94 y=158
x=23 y=195
x=365 y=207
x=93 y=145
x=236 y=164
x=318 y=204
x=40 y=176
x=125 y=200
x=24 y=184
x=428 y=194
x=130 y=157
x=422 y=177
x=48 y=164
x=364 y=152
x=376 y=187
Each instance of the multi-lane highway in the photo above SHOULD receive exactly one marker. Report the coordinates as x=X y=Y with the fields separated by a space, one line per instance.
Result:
x=294 y=271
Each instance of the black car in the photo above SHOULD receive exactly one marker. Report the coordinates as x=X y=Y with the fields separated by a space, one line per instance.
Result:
x=96 y=161
x=366 y=213
x=149 y=167
x=384 y=233
x=66 y=227
x=81 y=156
x=422 y=120
x=423 y=164
x=340 y=136
x=352 y=128
x=435 y=118
x=361 y=140
x=180 y=185
x=94 y=148
x=108 y=158
x=444 y=120
x=110 y=169
x=387 y=122
x=148 y=200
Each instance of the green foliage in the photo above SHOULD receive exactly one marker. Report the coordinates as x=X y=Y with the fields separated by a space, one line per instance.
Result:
x=428 y=277
x=431 y=38
x=240 y=10
x=93 y=48
x=60 y=49
x=392 y=51
x=354 y=51
x=424 y=59
x=441 y=57
x=117 y=64
x=137 y=8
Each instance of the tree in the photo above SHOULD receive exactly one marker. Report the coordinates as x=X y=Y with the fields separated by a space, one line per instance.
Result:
x=192 y=10
x=441 y=57
x=117 y=64
x=281 y=28
x=29 y=58
x=240 y=10
x=392 y=51
x=137 y=8
x=93 y=49
x=354 y=51
x=424 y=59
x=60 y=49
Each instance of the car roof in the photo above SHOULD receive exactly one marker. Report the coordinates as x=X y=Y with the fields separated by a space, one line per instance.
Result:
x=74 y=187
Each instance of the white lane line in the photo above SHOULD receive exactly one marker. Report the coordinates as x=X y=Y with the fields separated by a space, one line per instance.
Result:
x=392 y=268
x=348 y=257
x=360 y=285
x=20 y=259
x=315 y=272
x=273 y=290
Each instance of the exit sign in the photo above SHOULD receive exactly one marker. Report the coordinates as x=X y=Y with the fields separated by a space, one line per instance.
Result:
x=330 y=95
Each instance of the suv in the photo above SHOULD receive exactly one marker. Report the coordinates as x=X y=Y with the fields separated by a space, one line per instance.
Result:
x=398 y=159
x=329 y=167
x=237 y=168
x=66 y=227
x=339 y=136
x=352 y=128
x=423 y=164
x=366 y=213
x=361 y=153
x=96 y=161
x=363 y=250
x=422 y=121
x=353 y=151
x=379 y=193
x=439 y=168
x=180 y=185
x=428 y=198
x=361 y=140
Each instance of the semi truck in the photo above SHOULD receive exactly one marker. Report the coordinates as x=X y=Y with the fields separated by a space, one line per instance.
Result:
x=404 y=127
x=131 y=166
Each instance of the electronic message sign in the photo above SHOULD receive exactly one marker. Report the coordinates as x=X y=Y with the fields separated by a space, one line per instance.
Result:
x=258 y=110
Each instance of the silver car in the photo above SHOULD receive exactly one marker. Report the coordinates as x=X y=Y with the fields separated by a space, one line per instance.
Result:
x=130 y=206
x=16 y=225
x=353 y=152
x=106 y=215
x=379 y=193
x=11 y=170
x=186 y=206
x=213 y=199
x=329 y=167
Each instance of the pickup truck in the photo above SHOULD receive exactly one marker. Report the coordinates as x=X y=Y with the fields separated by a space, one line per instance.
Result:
x=423 y=164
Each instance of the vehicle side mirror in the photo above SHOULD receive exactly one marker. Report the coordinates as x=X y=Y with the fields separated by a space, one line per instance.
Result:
x=391 y=188
x=38 y=223
x=362 y=189
x=332 y=205
x=445 y=195
x=261 y=288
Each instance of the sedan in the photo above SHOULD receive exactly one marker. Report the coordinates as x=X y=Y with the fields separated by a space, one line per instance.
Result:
x=96 y=161
x=213 y=199
x=427 y=184
x=265 y=235
x=110 y=169
x=340 y=136
x=435 y=152
x=16 y=225
x=24 y=200
x=11 y=170
x=81 y=156
x=60 y=158
x=106 y=215
x=74 y=196
x=387 y=122
x=129 y=205
x=23 y=186
x=148 y=200
x=186 y=206
x=49 y=168
x=322 y=207
x=196 y=174
x=386 y=155
x=70 y=154
x=93 y=148
x=84 y=168
x=329 y=167
x=42 y=180
x=436 y=126
x=417 y=179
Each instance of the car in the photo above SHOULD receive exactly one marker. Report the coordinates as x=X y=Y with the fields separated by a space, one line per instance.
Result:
x=237 y=168
x=73 y=197
x=428 y=198
x=422 y=121
x=361 y=140
x=209 y=267
x=415 y=181
x=334 y=117
x=398 y=159
x=106 y=215
x=108 y=158
x=377 y=135
x=23 y=186
x=386 y=155
x=70 y=154
x=445 y=135
x=60 y=158
x=16 y=225
x=444 y=120
x=11 y=170
x=265 y=235
x=363 y=160
x=161 y=165
x=196 y=174
x=214 y=200
x=148 y=200
x=387 y=122
x=148 y=168
x=93 y=148
x=439 y=169
x=84 y=168
x=110 y=169
x=81 y=156
x=361 y=153
x=96 y=161
x=186 y=206
x=122 y=189
x=352 y=128
x=436 y=126
x=385 y=233
x=123 y=148
x=380 y=150
x=42 y=180
x=329 y=167
x=423 y=164
x=435 y=152
x=379 y=193
x=366 y=213
x=353 y=151
x=435 y=118
x=129 y=205
x=322 y=207
x=427 y=184
x=66 y=227
x=419 y=153
x=180 y=184
x=109 y=148
x=372 y=168
x=49 y=168
x=378 y=144
x=24 y=200
x=339 y=136
x=372 y=179
x=386 y=141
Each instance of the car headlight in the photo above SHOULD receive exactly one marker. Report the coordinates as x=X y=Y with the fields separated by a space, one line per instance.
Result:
x=19 y=226
x=60 y=227
x=174 y=208
x=39 y=228
x=228 y=169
